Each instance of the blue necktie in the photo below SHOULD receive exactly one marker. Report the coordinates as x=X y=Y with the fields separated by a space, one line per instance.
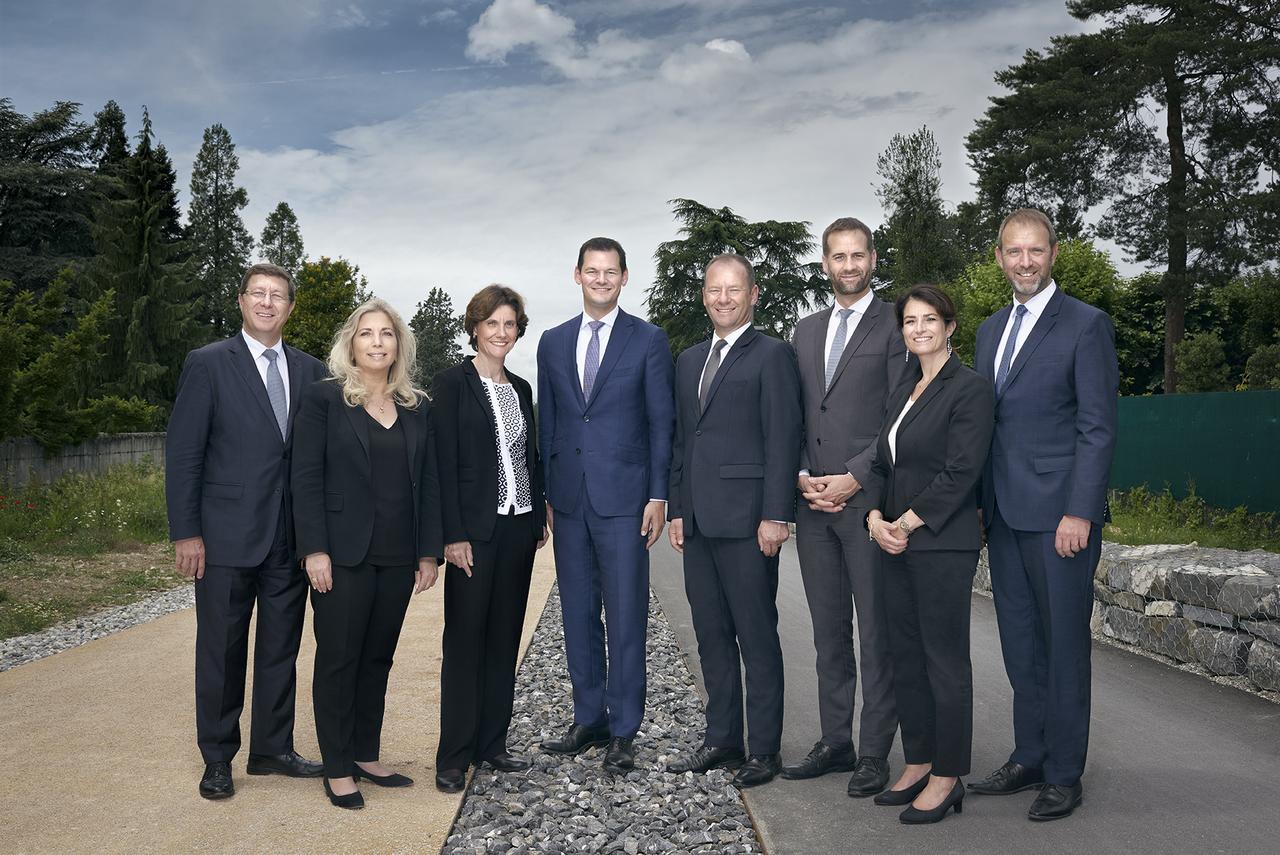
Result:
x=592 y=365
x=837 y=345
x=1006 y=358
x=275 y=391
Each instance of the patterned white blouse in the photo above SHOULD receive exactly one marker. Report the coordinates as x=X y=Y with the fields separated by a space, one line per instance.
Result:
x=514 y=491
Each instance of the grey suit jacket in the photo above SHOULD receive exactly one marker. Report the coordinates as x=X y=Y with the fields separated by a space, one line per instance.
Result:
x=841 y=423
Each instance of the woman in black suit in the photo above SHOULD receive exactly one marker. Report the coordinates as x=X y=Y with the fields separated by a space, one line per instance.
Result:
x=366 y=508
x=494 y=520
x=929 y=456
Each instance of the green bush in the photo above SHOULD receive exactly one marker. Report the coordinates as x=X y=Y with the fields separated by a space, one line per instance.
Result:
x=1202 y=364
x=1141 y=517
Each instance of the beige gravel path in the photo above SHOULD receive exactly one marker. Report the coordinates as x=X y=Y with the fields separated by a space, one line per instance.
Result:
x=97 y=748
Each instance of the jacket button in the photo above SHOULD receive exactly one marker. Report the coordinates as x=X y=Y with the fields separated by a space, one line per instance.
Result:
x=697 y=433
x=586 y=418
x=819 y=440
x=823 y=408
x=577 y=451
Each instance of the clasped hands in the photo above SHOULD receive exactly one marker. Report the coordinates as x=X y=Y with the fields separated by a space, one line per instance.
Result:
x=889 y=536
x=828 y=493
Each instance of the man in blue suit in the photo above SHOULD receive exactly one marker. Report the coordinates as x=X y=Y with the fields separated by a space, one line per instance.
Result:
x=606 y=414
x=1052 y=360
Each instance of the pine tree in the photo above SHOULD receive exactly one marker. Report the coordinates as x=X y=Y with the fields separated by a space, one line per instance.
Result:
x=917 y=243
x=109 y=145
x=220 y=244
x=281 y=240
x=436 y=329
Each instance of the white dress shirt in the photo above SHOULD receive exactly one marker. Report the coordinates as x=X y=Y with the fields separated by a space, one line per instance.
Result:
x=256 y=349
x=730 y=340
x=584 y=339
x=893 y=431
x=1035 y=308
x=859 y=307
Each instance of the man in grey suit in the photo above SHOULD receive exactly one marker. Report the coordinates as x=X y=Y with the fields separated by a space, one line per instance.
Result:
x=851 y=357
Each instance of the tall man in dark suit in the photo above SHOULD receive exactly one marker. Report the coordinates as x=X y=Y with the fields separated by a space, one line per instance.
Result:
x=227 y=490
x=733 y=471
x=1052 y=360
x=605 y=419
x=851 y=357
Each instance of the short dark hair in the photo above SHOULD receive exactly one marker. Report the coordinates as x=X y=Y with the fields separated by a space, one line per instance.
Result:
x=275 y=271
x=487 y=301
x=603 y=244
x=736 y=259
x=932 y=296
x=848 y=224
x=1028 y=216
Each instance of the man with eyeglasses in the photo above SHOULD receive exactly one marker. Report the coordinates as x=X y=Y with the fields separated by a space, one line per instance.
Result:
x=227 y=490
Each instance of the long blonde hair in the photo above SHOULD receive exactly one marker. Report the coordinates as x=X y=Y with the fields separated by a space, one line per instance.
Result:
x=401 y=374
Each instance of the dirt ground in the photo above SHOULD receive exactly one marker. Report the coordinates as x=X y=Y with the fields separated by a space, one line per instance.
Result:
x=99 y=755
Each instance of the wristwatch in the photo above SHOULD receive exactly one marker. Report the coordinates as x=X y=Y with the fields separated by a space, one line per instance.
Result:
x=905 y=526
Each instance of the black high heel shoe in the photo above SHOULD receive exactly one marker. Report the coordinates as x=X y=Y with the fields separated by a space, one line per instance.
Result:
x=897 y=798
x=395 y=779
x=351 y=801
x=955 y=799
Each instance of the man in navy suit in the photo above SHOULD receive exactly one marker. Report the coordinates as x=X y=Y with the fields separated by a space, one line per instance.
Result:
x=227 y=491
x=605 y=419
x=1052 y=360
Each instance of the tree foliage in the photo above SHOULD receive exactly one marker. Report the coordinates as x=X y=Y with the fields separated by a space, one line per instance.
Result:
x=436 y=329
x=109 y=145
x=281 y=241
x=328 y=291
x=220 y=244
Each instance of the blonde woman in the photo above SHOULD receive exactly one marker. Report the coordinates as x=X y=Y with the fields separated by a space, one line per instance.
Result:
x=367 y=515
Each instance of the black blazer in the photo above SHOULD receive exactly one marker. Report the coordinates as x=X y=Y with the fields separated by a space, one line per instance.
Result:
x=942 y=446
x=467 y=452
x=332 y=490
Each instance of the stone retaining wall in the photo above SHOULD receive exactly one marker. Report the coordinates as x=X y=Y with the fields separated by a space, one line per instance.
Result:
x=23 y=461
x=1215 y=608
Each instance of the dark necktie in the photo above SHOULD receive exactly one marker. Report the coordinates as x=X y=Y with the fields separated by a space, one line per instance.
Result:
x=1006 y=358
x=709 y=373
x=275 y=391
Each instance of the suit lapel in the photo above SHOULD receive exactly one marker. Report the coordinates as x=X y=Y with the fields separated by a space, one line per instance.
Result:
x=735 y=353
x=872 y=317
x=295 y=383
x=930 y=392
x=818 y=359
x=984 y=362
x=570 y=345
x=481 y=394
x=359 y=422
x=248 y=372
x=1038 y=332
x=623 y=327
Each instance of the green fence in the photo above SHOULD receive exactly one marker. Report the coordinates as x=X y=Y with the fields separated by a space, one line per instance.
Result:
x=1226 y=443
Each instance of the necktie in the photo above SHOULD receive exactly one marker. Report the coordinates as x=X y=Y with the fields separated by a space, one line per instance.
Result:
x=709 y=373
x=837 y=345
x=592 y=365
x=1006 y=358
x=275 y=391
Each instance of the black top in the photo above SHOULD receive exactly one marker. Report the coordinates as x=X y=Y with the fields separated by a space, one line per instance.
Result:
x=392 y=541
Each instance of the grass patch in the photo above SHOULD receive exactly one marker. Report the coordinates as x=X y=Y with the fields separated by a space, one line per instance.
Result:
x=1140 y=517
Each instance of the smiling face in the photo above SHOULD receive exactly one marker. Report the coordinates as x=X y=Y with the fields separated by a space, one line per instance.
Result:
x=374 y=347
x=923 y=329
x=849 y=263
x=265 y=306
x=1026 y=256
x=601 y=277
x=727 y=296
x=497 y=334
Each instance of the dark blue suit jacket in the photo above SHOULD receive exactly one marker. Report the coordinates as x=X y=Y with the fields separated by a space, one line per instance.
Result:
x=226 y=467
x=1055 y=428
x=622 y=436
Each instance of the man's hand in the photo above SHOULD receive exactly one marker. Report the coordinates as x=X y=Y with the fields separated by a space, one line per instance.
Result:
x=836 y=491
x=655 y=514
x=675 y=534
x=550 y=522
x=320 y=571
x=188 y=557
x=771 y=535
x=426 y=575
x=1072 y=536
x=804 y=483
x=459 y=555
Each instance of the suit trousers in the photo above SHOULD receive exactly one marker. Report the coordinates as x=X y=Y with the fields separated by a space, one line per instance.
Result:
x=1043 y=604
x=357 y=626
x=602 y=562
x=733 y=589
x=927 y=599
x=842 y=571
x=483 y=619
x=225 y=597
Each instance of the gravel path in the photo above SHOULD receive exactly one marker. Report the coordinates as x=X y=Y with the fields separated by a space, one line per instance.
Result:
x=566 y=805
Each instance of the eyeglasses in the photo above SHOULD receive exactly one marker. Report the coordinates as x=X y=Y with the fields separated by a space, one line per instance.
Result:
x=267 y=296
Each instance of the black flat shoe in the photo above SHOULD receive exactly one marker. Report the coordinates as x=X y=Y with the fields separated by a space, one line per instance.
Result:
x=505 y=762
x=869 y=777
x=821 y=760
x=451 y=780
x=955 y=799
x=1056 y=802
x=705 y=759
x=898 y=798
x=216 y=782
x=291 y=764
x=759 y=769
x=351 y=801
x=577 y=739
x=393 y=780
x=620 y=756
x=1008 y=779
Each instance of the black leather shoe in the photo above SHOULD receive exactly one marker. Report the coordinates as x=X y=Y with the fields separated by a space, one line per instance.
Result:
x=821 y=760
x=216 y=783
x=759 y=769
x=1055 y=802
x=451 y=780
x=955 y=799
x=898 y=798
x=505 y=762
x=393 y=780
x=869 y=777
x=578 y=739
x=1009 y=778
x=291 y=764
x=351 y=801
x=706 y=758
x=621 y=755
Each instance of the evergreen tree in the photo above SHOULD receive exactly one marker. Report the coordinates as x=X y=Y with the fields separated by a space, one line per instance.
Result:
x=281 y=240
x=436 y=329
x=328 y=291
x=109 y=146
x=917 y=243
x=170 y=214
x=220 y=244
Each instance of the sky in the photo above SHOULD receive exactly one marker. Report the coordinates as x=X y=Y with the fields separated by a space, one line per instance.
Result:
x=463 y=142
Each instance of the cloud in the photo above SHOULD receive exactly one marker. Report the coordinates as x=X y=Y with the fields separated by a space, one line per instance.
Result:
x=351 y=17
x=508 y=25
x=693 y=65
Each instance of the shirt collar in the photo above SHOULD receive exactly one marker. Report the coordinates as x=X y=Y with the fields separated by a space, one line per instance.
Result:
x=1035 y=306
x=859 y=306
x=732 y=337
x=257 y=348
x=609 y=319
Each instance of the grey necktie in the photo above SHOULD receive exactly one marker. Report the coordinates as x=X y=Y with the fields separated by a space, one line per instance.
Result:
x=275 y=391
x=1006 y=358
x=592 y=364
x=709 y=373
x=837 y=344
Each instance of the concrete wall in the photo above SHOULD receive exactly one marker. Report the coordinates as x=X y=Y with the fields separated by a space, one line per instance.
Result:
x=23 y=461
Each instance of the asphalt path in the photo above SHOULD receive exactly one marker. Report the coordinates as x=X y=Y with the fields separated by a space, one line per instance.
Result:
x=1177 y=763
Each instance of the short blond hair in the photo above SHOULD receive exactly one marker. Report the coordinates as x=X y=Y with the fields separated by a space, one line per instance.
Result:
x=401 y=374
x=1028 y=217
